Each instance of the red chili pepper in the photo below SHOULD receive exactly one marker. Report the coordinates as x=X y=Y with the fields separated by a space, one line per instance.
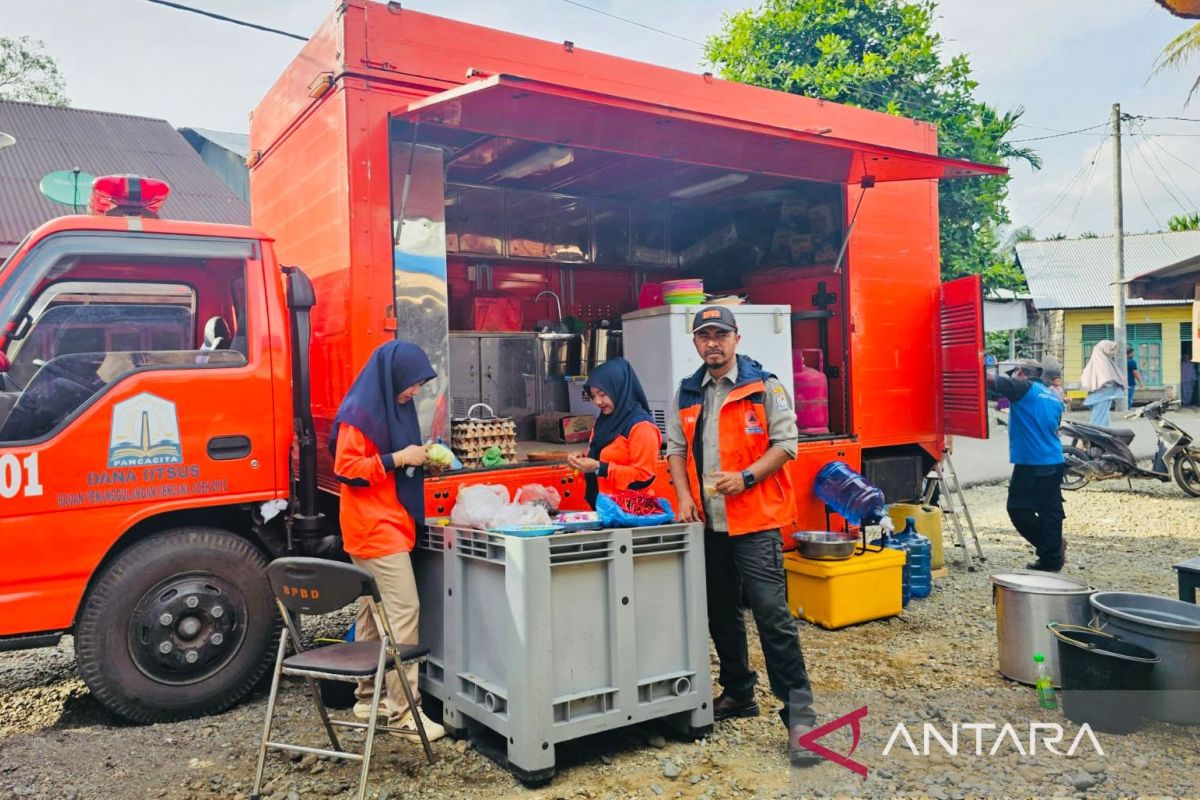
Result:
x=636 y=503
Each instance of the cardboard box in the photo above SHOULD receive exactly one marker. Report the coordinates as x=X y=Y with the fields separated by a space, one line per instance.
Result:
x=565 y=428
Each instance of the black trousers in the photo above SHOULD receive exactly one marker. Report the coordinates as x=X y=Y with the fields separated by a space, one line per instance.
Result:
x=1035 y=506
x=752 y=564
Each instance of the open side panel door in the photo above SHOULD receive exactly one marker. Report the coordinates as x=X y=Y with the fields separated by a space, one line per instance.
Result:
x=964 y=395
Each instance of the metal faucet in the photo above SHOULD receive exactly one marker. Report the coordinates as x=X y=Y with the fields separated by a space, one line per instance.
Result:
x=557 y=301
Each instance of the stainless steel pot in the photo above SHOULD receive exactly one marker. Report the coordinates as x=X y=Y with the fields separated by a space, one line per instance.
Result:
x=1026 y=602
x=600 y=345
x=1171 y=630
x=560 y=354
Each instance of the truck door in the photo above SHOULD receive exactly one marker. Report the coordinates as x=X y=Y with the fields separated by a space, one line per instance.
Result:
x=138 y=383
x=963 y=391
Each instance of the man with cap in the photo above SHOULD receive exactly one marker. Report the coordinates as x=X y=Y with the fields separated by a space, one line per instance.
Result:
x=731 y=431
x=1035 y=503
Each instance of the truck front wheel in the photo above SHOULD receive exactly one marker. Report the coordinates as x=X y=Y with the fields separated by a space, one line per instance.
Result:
x=179 y=625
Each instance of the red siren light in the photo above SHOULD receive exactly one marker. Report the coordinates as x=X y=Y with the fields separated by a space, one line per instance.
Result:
x=128 y=196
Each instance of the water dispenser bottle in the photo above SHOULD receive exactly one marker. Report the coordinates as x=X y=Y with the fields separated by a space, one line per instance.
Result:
x=893 y=542
x=849 y=494
x=920 y=559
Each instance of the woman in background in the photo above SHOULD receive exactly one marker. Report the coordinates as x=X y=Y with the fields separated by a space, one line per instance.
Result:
x=378 y=459
x=625 y=442
x=1103 y=382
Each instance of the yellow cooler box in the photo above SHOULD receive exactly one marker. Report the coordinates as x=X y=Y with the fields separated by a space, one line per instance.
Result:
x=834 y=594
x=929 y=525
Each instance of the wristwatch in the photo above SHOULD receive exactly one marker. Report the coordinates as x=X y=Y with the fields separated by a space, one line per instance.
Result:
x=747 y=478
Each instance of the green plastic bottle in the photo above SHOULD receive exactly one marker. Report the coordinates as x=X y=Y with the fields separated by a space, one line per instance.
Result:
x=1043 y=683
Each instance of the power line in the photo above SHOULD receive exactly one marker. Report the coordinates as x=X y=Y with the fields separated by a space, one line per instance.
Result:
x=1086 y=184
x=635 y=22
x=223 y=18
x=1046 y=212
x=1178 y=119
x=1060 y=135
x=1136 y=183
x=1150 y=145
x=1177 y=158
x=1169 y=135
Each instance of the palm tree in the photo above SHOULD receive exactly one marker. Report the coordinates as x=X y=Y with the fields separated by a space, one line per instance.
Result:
x=1177 y=52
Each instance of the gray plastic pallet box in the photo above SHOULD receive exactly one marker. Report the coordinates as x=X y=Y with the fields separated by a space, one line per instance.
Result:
x=548 y=639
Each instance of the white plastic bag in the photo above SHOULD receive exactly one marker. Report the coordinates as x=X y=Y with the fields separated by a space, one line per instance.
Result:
x=515 y=514
x=537 y=494
x=477 y=504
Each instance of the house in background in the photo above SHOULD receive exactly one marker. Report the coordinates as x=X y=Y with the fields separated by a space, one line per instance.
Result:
x=1178 y=281
x=225 y=154
x=1005 y=311
x=50 y=139
x=1070 y=281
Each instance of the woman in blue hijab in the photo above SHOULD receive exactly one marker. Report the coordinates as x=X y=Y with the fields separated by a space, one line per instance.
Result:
x=377 y=457
x=625 y=441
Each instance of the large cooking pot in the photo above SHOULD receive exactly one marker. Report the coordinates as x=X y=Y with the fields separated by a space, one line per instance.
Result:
x=600 y=345
x=1171 y=629
x=1026 y=602
x=561 y=354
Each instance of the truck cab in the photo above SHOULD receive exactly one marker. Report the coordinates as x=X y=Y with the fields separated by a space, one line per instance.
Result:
x=145 y=430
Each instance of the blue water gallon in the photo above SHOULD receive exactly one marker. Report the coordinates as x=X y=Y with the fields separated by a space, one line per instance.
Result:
x=920 y=559
x=893 y=542
x=848 y=493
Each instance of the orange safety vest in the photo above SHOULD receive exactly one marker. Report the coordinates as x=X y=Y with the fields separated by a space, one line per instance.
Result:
x=744 y=437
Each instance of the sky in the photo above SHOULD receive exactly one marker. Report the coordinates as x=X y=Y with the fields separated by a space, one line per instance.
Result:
x=1064 y=61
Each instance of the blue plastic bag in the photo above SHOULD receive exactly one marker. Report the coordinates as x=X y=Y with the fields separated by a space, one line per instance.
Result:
x=613 y=516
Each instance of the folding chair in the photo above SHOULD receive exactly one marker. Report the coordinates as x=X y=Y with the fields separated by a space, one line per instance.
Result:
x=319 y=586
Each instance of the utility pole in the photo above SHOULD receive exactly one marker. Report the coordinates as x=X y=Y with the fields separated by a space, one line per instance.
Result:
x=1118 y=253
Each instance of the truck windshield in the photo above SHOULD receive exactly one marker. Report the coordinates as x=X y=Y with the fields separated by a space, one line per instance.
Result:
x=83 y=311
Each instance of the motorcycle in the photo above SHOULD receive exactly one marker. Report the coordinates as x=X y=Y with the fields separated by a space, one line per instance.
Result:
x=1099 y=454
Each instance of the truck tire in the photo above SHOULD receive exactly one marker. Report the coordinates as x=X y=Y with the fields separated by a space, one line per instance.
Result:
x=179 y=625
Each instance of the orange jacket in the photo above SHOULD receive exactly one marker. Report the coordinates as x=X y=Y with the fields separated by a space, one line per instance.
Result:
x=628 y=461
x=373 y=522
x=744 y=438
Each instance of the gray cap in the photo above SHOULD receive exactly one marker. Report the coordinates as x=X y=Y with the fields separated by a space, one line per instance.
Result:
x=719 y=317
x=1030 y=366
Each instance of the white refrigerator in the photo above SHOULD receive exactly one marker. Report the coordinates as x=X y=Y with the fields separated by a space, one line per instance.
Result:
x=658 y=344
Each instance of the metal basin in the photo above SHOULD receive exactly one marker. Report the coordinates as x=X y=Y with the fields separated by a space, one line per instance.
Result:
x=1169 y=628
x=825 y=545
x=561 y=354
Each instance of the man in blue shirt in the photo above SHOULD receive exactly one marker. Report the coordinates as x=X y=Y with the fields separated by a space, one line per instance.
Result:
x=1135 y=374
x=1035 y=503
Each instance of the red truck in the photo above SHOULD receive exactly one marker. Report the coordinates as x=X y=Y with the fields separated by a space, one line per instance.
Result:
x=163 y=415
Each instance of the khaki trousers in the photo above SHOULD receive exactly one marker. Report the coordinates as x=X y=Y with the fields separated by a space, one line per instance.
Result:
x=398 y=588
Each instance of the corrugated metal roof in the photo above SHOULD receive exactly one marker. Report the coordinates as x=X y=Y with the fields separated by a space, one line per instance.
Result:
x=50 y=139
x=238 y=143
x=1077 y=273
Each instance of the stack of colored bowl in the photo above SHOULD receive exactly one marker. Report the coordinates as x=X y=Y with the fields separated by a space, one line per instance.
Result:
x=689 y=291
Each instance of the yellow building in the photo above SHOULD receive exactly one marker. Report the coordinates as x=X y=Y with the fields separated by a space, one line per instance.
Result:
x=1070 y=281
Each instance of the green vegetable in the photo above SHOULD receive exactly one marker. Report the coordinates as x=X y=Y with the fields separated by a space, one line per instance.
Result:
x=493 y=457
x=440 y=456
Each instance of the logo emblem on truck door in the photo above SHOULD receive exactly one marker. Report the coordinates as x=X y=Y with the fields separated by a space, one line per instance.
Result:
x=145 y=430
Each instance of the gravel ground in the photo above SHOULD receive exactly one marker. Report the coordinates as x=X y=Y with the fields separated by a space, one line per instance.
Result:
x=936 y=664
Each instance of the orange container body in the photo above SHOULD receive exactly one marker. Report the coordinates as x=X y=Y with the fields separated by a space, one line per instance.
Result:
x=323 y=182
